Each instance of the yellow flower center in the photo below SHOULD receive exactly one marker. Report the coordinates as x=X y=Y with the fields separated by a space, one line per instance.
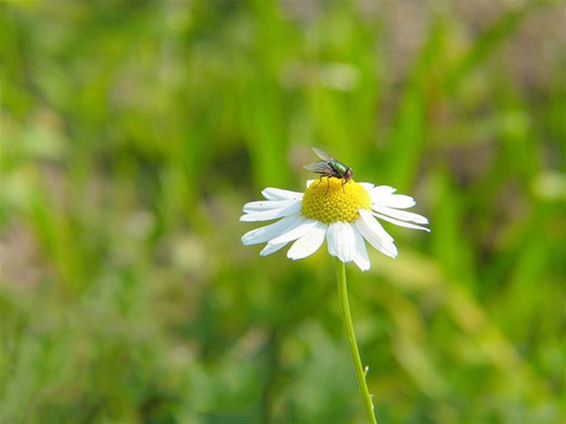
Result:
x=329 y=200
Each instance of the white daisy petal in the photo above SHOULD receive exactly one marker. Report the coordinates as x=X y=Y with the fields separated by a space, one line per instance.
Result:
x=332 y=240
x=297 y=232
x=401 y=215
x=361 y=258
x=272 y=248
x=264 y=205
x=271 y=193
x=380 y=191
x=372 y=222
x=340 y=238
x=400 y=223
x=349 y=242
x=263 y=234
x=368 y=186
x=308 y=243
x=271 y=214
x=375 y=235
x=399 y=201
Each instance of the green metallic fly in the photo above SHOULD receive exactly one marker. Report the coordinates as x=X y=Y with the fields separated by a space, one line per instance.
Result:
x=330 y=167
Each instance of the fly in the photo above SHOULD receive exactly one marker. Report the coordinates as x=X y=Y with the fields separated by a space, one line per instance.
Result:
x=330 y=167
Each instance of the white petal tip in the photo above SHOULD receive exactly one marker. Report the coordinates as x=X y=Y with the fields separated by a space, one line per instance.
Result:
x=363 y=266
x=298 y=256
x=391 y=253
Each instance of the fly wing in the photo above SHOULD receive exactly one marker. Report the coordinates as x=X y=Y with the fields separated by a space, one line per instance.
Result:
x=322 y=154
x=319 y=168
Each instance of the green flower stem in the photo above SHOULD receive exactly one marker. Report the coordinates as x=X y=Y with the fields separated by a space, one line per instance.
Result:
x=349 y=326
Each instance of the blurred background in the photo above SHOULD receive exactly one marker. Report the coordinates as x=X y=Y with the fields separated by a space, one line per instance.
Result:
x=134 y=131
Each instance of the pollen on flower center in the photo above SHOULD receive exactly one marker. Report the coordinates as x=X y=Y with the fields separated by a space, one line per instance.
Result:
x=328 y=200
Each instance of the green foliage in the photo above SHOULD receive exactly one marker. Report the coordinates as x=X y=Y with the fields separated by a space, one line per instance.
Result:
x=133 y=132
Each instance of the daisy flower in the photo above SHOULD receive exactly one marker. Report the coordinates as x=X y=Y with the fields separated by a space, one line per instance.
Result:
x=344 y=213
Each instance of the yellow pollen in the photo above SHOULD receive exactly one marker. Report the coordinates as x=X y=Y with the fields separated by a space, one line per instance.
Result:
x=329 y=200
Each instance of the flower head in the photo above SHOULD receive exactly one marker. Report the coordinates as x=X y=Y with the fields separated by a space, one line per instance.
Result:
x=343 y=213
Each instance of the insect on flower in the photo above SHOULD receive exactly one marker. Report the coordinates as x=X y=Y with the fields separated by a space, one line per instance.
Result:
x=329 y=167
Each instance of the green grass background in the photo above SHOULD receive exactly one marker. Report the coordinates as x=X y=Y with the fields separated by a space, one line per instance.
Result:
x=132 y=134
